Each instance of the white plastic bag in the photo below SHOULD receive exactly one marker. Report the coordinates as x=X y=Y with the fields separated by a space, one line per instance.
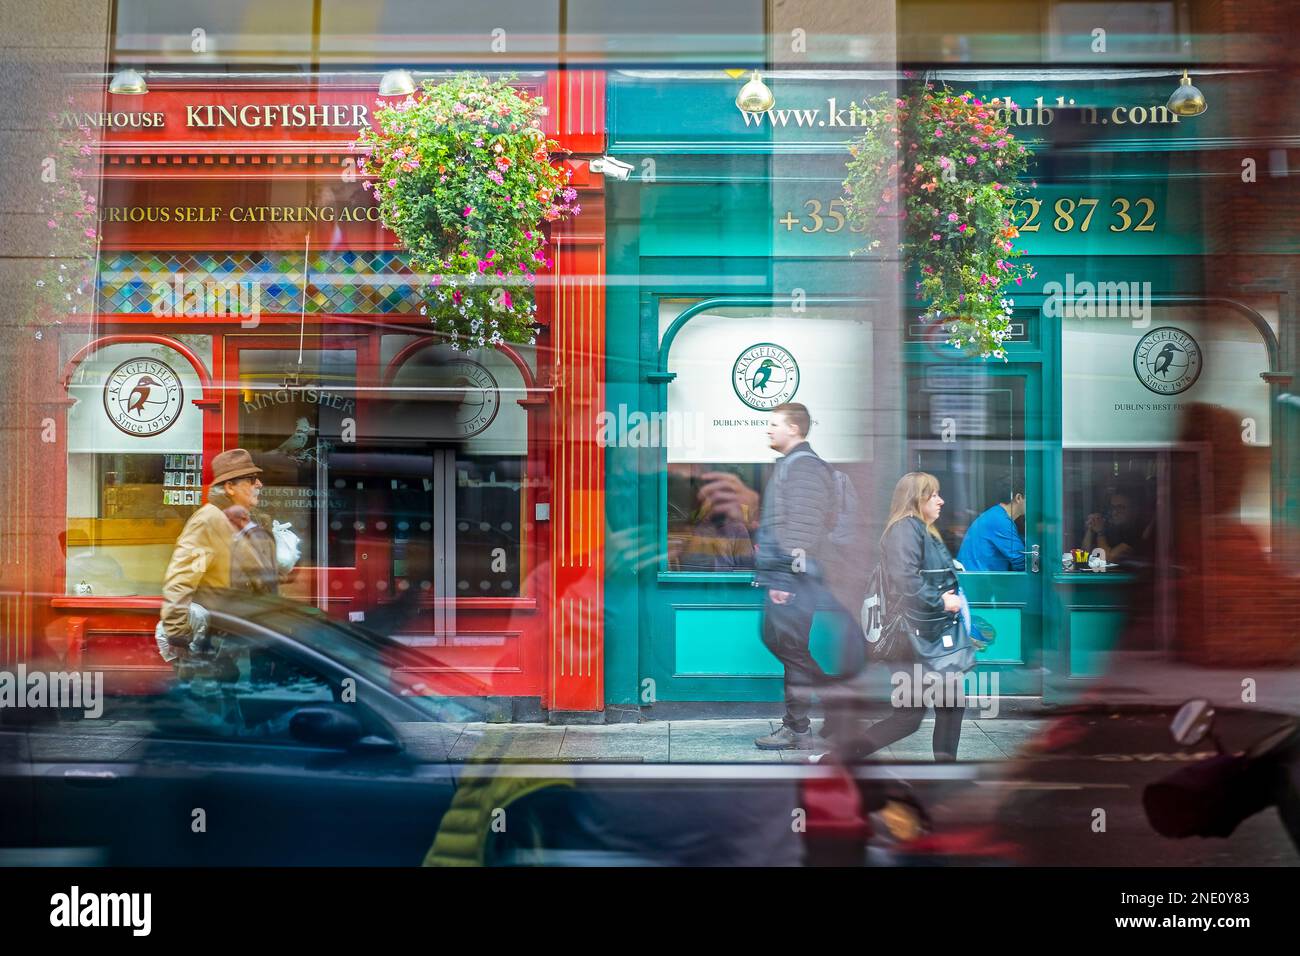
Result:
x=288 y=546
x=198 y=621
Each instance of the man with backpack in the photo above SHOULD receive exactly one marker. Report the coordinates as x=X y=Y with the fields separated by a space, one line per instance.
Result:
x=806 y=504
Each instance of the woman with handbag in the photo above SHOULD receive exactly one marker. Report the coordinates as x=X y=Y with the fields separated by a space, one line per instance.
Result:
x=922 y=584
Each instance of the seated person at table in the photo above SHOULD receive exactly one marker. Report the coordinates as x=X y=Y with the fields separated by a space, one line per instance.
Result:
x=993 y=542
x=1120 y=532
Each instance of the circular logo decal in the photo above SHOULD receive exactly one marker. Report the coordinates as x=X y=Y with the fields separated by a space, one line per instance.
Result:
x=1167 y=361
x=143 y=397
x=765 y=376
x=482 y=396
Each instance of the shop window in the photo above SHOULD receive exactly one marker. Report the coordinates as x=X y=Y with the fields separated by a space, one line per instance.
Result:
x=1127 y=389
x=712 y=522
x=1134 y=29
x=135 y=463
x=292 y=417
x=458 y=472
x=967 y=429
x=241 y=29
x=408 y=29
x=732 y=367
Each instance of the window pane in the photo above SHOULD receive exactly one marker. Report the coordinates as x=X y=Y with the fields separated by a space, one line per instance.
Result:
x=135 y=443
x=711 y=522
x=968 y=431
x=291 y=419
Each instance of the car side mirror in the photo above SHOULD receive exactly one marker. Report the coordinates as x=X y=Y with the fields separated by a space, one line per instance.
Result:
x=1192 y=723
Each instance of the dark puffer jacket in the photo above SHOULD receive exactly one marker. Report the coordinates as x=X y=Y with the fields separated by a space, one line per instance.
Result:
x=798 y=505
x=918 y=570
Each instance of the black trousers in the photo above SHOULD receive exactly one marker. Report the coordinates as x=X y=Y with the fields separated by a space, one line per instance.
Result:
x=786 y=629
x=904 y=722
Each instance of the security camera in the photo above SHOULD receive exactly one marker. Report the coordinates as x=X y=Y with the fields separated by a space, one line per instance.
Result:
x=611 y=167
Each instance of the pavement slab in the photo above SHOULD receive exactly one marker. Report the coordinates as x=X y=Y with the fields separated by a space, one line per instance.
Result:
x=491 y=742
x=648 y=742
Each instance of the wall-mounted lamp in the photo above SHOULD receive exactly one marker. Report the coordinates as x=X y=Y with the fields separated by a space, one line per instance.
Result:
x=397 y=83
x=128 y=82
x=1187 y=100
x=754 y=96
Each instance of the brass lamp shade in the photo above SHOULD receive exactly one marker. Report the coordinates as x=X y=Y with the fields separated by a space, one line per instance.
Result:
x=754 y=96
x=1187 y=100
x=128 y=82
x=397 y=83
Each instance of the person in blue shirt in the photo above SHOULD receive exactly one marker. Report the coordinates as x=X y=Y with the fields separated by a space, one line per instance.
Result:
x=993 y=542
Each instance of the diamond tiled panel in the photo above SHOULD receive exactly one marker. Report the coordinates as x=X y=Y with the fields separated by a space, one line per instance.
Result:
x=344 y=281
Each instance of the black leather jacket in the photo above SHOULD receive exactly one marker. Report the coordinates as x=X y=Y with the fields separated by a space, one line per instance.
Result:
x=918 y=570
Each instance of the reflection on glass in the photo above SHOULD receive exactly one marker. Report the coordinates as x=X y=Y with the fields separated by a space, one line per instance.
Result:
x=968 y=431
x=713 y=513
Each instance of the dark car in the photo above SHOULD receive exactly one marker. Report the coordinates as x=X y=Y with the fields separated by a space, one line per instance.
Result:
x=296 y=745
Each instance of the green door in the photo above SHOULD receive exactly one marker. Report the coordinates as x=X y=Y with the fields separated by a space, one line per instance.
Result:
x=986 y=430
x=701 y=618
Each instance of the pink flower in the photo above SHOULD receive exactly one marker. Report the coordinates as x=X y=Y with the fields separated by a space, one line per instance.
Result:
x=952 y=217
x=467 y=210
x=52 y=224
x=936 y=237
x=457 y=296
x=90 y=233
x=970 y=160
x=939 y=133
x=962 y=227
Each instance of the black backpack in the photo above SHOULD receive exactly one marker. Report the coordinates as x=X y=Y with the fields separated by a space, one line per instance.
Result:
x=844 y=530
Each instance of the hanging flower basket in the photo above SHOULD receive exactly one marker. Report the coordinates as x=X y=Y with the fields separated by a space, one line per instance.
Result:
x=463 y=176
x=955 y=167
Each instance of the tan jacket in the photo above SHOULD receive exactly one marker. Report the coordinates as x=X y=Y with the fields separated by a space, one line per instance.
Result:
x=201 y=559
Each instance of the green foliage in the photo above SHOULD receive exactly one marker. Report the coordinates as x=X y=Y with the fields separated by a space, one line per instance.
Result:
x=953 y=166
x=463 y=177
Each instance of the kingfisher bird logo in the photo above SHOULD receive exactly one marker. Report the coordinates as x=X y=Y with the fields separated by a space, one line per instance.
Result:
x=482 y=400
x=1167 y=361
x=765 y=376
x=143 y=397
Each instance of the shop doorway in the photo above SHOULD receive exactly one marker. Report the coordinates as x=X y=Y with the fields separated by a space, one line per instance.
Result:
x=985 y=432
x=407 y=476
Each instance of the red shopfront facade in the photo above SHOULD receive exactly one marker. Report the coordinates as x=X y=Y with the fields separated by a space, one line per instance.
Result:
x=244 y=275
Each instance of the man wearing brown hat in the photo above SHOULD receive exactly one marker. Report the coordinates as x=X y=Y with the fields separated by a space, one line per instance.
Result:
x=201 y=559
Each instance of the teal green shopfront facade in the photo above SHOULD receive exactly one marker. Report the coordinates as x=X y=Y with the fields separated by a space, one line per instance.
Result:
x=730 y=224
